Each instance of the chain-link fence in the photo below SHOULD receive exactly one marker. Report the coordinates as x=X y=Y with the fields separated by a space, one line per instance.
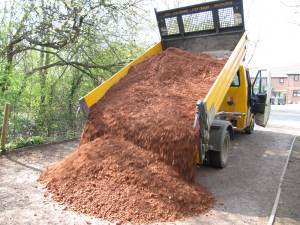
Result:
x=25 y=128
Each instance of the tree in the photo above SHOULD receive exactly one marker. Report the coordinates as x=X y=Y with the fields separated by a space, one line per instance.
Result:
x=64 y=28
x=54 y=51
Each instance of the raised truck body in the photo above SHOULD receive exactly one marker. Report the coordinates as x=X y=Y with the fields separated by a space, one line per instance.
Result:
x=216 y=28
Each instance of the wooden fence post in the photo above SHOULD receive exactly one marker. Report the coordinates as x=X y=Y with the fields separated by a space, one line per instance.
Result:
x=4 y=130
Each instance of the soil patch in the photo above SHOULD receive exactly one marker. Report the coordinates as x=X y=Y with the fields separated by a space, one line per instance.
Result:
x=114 y=179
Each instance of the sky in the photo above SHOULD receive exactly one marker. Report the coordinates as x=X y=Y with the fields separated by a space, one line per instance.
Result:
x=271 y=26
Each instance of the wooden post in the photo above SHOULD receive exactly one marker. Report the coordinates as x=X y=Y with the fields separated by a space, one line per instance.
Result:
x=4 y=130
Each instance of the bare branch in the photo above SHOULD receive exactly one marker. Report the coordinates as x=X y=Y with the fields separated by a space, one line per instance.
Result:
x=74 y=64
x=292 y=6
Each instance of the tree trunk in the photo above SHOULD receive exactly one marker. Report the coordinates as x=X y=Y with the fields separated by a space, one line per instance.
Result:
x=4 y=82
x=42 y=83
x=76 y=80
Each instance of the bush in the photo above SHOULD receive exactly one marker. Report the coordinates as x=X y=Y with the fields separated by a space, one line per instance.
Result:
x=22 y=142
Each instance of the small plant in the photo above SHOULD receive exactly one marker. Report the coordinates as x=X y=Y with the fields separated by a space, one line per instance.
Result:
x=22 y=142
x=10 y=146
x=37 y=140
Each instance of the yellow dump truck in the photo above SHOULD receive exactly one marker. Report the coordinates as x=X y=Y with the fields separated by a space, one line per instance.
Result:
x=233 y=103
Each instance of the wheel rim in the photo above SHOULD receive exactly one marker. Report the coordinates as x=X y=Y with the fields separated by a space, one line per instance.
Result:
x=252 y=125
x=225 y=150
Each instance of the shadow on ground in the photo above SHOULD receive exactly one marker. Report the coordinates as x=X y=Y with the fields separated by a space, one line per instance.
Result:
x=245 y=190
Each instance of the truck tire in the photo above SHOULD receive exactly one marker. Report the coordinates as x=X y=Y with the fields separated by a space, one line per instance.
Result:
x=219 y=159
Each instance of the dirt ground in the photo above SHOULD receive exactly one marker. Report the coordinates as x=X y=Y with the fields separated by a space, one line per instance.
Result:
x=245 y=190
x=22 y=199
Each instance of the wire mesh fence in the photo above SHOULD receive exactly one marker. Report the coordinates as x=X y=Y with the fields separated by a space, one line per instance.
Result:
x=26 y=128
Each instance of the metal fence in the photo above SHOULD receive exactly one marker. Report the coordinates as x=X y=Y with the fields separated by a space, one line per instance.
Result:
x=25 y=129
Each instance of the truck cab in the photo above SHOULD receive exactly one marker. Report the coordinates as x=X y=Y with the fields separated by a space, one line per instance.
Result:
x=247 y=103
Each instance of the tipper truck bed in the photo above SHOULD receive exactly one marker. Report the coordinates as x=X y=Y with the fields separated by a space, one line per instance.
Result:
x=232 y=103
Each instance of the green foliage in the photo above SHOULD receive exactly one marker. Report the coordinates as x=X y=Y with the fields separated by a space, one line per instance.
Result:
x=23 y=142
x=57 y=120
x=52 y=53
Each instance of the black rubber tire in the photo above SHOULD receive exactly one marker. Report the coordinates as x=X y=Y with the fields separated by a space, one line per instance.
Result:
x=250 y=128
x=219 y=159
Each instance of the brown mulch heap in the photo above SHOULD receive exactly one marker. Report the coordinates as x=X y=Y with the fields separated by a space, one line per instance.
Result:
x=136 y=160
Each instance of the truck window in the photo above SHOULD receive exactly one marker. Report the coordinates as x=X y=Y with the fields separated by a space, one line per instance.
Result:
x=236 y=80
